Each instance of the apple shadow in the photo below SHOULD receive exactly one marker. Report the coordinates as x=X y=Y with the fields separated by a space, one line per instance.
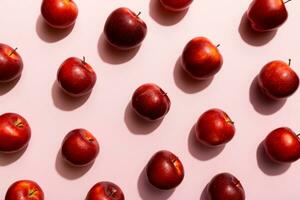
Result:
x=200 y=151
x=6 y=87
x=266 y=165
x=138 y=125
x=148 y=191
x=261 y=103
x=185 y=82
x=162 y=16
x=253 y=37
x=67 y=171
x=112 y=55
x=49 y=34
x=64 y=101
x=9 y=158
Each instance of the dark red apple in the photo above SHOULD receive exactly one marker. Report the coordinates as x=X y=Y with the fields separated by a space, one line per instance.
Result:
x=76 y=77
x=164 y=170
x=282 y=145
x=11 y=64
x=105 y=191
x=225 y=186
x=201 y=59
x=150 y=102
x=124 y=29
x=176 y=5
x=267 y=15
x=278 y=80
x=214 y=127
x=15 y=132
x=59 y=14
x=24 y=190
x=80 y=147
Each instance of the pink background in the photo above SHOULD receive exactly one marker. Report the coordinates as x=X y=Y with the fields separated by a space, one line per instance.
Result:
x=126 y=142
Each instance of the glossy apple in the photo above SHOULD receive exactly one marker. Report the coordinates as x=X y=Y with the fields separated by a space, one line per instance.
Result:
x=15 y=132
x=176 y=5
x=150 y=102
x=282 y=145
x=80 y=147
x=11 y=64
x=214 y=127
x=225 y=186
x=124 y=29
x=267 y=15
x=278 y=80
x=164 y=170
x=201 y=59
x=76 y=77
x=105 y=191
x=59 y=14
x=24 y=190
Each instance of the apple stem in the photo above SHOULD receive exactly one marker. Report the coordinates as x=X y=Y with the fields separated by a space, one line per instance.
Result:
x=218 y=45
x=298 y=135
x=13 y=51
x=139 y=14
x=290 y=61
x=83 y=60
x=31 y=192
x=287 y=1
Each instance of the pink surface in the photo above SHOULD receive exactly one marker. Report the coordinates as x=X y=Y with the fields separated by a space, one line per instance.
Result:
x=126 y=143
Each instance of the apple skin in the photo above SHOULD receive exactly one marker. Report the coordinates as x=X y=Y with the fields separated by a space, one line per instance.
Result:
x=282 y=145
x=278 y=80
x=24 y=190
x=11 y=64
x=124 y=29
x=201 y=59
x=15 y=132
x=164 y=170
x=214 y=127
x=80 y=148
x=176 y=5
x=225 y=186
x=150 y=102
x=267 y=15
x=76 y=77
x=59 y=14
x=105 y=191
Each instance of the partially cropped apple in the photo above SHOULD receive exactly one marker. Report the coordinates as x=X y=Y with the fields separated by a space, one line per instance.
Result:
x=150 y=102
x=278 y=80
x=15 y=132
x=24 y=190
x=164 y=170
x=59 y=14
x=201 y=59
x=225 y=186
x=124 y=29
x=80 y=147
x=267 y=15
x=282 y=145
x=105 y=191
x=11 y=64
x=176 y=5
x=76 y=77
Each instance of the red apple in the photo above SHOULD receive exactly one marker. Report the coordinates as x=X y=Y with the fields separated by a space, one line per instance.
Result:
x=278 y=80
x=80 y=147
x=11 y=64
x=76 y=77
x=124 y=29
x=105 y=191
x=282 y=145
x=24 y=190
x=15 y=132
x=214 y=127
x=176 y=5
x=164 y=170
x=225 y=186
x=201 y=59
x=59 y=14
x=267 y=15
x=150 y=102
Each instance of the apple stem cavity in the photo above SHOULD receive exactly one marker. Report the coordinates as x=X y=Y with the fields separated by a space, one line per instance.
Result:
x=287 y=1
x=13 y=51
x=19 y=123
x=31 y=192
